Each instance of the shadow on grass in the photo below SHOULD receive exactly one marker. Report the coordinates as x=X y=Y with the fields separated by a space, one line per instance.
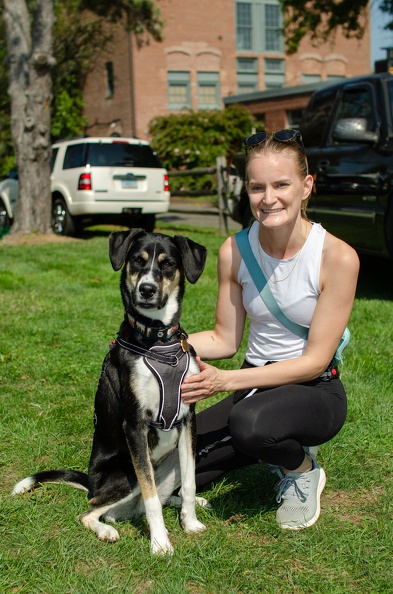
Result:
x=169 y=228
x=246 y=492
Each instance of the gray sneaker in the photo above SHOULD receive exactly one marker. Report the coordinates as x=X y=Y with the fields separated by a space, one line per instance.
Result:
x=300 y=494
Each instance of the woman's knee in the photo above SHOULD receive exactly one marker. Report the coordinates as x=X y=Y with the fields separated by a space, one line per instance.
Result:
x=248 y=434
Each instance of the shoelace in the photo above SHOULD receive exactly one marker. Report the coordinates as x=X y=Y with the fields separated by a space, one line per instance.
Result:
x=289 y=482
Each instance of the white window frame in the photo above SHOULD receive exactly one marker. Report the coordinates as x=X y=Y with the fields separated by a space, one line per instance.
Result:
x=212 y=81
x=247 y=75
x=179 y=78
x=257 y=27
x=274 y=72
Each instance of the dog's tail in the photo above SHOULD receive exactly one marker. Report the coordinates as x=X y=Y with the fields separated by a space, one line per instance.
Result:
x=74 y=478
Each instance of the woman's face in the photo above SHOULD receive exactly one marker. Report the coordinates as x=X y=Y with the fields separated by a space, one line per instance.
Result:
x=276 y=189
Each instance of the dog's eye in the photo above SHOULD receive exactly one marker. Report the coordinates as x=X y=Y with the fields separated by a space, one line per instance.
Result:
x=166 y=264
x=139 y=261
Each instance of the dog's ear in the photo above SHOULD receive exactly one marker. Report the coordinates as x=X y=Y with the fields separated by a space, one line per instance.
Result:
x=193 y=256
x=119 y=244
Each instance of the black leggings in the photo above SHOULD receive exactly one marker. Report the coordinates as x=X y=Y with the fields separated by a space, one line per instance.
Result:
x=272 y=426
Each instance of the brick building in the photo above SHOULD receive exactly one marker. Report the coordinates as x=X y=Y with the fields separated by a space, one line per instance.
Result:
x=214 y=52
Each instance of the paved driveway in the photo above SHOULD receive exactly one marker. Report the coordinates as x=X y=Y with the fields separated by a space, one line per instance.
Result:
x=198 y=216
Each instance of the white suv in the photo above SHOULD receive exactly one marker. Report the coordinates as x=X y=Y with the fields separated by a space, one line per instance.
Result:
x=106 y=180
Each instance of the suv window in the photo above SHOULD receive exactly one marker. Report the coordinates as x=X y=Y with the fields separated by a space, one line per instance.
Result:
x=53 y=158
x=356 y=103
x=316 y=117
x=74 y=156
x=121 y=154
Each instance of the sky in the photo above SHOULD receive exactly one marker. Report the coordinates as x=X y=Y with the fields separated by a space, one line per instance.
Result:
x=379 y=37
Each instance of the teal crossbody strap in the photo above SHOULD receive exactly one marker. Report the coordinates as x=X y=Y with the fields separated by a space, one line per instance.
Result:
x=263 y=287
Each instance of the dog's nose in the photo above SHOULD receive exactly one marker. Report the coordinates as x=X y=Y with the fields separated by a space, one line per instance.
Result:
x=147 y=290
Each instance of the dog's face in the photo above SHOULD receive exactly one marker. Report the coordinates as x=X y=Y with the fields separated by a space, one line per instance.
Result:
x=153 y=275
x=154 y=269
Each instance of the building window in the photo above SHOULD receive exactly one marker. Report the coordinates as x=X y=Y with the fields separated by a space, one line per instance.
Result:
x=335 y=77
x=247 y=75
x=272 y=23
x=259 y=26
x=179 y=90
x=244 y=25
x=110 y=81
x=310 y=78
x=208 y=90
x=274 y=73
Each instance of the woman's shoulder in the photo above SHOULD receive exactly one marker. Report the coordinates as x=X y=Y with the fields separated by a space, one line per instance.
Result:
x=229 y=257
x=338 y=254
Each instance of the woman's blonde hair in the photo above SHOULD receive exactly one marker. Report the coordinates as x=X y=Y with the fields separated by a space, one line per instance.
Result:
x=290 y=149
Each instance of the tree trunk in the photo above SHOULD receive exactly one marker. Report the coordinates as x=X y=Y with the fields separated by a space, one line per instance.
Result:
x=30 y=59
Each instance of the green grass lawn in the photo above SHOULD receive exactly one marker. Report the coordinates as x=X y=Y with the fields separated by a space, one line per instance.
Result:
x=60 y=307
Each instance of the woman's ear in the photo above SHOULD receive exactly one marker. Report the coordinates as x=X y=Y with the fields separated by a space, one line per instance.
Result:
x=308 y=183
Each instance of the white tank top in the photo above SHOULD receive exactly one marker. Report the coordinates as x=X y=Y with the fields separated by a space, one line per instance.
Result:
x=296 y=292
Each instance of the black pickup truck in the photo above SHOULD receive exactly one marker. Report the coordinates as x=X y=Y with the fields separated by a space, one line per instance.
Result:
x=347 y=130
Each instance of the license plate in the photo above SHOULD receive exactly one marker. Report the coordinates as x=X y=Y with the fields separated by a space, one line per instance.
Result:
x=132 y=211
x=129 y=183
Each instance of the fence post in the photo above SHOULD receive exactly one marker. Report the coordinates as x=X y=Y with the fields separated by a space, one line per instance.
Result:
x=222 y=197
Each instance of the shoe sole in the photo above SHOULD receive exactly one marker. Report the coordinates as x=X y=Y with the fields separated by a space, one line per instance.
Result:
x=320 y=488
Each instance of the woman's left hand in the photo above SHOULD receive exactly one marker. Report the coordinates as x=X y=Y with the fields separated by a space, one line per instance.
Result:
x=202 y=385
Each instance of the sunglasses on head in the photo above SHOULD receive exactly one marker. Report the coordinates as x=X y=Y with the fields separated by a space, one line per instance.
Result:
x=286 y=136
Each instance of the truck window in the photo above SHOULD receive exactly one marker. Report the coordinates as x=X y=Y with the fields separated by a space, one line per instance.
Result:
x=390 y=89
x=316 y=117
x=356 y=103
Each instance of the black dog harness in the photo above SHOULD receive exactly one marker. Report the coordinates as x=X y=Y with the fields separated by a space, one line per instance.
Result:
x=169 y=364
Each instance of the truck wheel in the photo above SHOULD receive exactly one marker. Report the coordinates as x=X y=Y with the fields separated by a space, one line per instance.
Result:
x=62 y=221
x=5 y=221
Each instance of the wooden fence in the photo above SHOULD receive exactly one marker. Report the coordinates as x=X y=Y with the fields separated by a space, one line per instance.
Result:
x=222 y=188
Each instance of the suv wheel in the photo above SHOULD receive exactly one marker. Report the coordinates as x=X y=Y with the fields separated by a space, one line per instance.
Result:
x=62 y=221
x=5 y=221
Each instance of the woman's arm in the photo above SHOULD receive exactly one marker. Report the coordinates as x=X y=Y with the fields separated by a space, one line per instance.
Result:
x=224 y=341
x=339 y=272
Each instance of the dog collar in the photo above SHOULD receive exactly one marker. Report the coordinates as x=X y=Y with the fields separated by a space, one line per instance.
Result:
x=162 y=333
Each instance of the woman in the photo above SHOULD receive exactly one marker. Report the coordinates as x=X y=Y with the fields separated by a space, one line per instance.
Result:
x=288 y=396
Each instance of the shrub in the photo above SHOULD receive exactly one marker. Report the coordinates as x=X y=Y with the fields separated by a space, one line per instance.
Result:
x=190 y=140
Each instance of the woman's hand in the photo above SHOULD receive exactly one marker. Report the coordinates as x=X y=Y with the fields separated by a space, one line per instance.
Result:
x=202 y=385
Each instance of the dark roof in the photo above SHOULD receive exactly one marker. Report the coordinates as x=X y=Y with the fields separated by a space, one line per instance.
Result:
x=296 y=90
x=278 y=92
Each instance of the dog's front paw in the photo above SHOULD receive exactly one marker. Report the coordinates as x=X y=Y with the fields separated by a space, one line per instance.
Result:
x=107 y=533
x=103 y=531
x=161 y=548
x=192 y=525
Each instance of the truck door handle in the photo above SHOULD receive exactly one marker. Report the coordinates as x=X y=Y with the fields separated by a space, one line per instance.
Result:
x=323 y=165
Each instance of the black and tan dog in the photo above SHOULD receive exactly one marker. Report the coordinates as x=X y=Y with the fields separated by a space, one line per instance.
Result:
x=140 y=421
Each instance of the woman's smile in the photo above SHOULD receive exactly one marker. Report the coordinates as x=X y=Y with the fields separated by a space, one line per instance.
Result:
x=271 y=210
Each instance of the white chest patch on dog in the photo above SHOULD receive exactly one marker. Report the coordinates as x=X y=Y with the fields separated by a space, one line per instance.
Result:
x=146 y=388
